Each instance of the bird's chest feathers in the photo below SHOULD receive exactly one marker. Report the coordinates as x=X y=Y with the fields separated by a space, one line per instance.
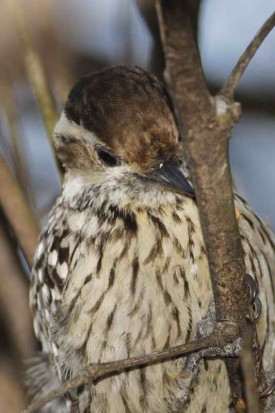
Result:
x=146 y=268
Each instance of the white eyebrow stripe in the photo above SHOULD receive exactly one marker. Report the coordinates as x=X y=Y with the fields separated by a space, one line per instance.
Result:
x=68 y=127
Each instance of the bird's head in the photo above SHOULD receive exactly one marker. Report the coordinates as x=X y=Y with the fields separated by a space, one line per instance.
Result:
x=118 y=130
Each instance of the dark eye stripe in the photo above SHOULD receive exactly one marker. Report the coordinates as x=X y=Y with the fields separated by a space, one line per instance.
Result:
x=107 y=157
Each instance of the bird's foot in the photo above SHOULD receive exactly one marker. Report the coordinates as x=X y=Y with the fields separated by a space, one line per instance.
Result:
x=205 y=328
x=229 y=350
x=253 y=295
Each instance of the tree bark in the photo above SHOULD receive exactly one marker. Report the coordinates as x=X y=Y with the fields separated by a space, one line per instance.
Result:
x=207 y=127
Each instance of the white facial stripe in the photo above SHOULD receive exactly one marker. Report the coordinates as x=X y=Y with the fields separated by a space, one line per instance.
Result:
x=68 y=127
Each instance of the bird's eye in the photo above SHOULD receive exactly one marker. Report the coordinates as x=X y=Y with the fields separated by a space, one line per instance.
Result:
x=107 y=157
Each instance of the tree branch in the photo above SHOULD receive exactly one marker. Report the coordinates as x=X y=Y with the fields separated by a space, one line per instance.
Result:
x=223 y=334
x=233 y=80
x=208 y=123
x=17 y=212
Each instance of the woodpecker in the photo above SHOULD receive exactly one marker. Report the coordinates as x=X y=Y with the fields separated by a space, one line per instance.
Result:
x=121 y=269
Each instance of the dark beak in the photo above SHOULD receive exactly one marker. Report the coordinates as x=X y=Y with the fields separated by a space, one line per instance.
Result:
x=170 y=176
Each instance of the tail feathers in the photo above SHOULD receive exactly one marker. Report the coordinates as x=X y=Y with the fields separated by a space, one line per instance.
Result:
x=40 y=379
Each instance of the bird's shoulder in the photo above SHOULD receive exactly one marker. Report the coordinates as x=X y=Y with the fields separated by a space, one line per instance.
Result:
x=253 y=229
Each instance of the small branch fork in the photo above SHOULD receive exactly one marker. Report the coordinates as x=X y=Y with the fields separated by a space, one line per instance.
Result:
x=207 y=136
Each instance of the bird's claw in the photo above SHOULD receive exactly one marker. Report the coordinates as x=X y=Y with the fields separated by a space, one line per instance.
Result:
x=252 y=287
x=253 y=295
x=257 y=307
x=269 y=390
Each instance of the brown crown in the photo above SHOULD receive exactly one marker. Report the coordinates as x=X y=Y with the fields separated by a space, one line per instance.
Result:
x=129 y=110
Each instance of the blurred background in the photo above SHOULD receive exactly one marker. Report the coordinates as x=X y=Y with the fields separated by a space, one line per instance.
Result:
x=71 y=38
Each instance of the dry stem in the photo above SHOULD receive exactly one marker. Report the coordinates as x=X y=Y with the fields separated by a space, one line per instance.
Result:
x=233 y=80
x=14 y=298
x=35 y=72
x=17 y=212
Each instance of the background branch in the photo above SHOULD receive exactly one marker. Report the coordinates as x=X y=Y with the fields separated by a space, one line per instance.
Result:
x=7 y=103
x=35 y=72
x=233 y=80
x=18 y=212
x=34 y=69
x=14 y=299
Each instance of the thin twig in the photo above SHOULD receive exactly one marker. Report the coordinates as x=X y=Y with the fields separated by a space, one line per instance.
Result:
x=18 y=212
x=247 y=363
x=233 y=80
x=224 y=333
x=35 y=72
x=12 y=121
x=14 y=298
x=14 y=136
